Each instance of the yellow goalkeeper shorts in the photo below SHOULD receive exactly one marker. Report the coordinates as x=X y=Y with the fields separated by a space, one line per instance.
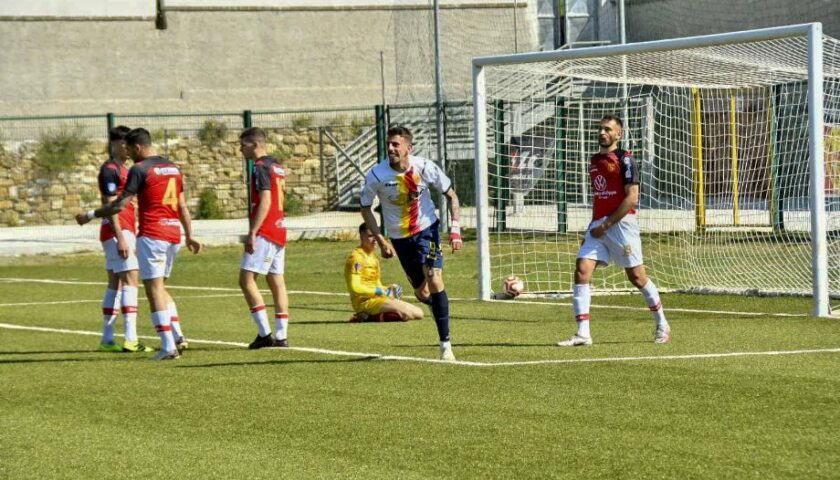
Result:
x=370 y=305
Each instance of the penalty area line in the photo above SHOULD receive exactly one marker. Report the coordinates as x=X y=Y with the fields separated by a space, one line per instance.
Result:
x=379 y=356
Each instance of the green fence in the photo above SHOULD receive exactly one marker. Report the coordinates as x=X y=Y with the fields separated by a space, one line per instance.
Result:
x=327 y=152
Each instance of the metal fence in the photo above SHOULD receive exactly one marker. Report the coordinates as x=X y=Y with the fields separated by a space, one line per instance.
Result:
x=327 y=153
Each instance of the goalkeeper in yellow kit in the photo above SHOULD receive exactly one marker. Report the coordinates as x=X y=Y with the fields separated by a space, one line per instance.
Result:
x=372 y=301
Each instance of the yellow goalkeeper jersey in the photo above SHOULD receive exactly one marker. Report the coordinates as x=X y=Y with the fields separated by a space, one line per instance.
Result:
x=361 y=274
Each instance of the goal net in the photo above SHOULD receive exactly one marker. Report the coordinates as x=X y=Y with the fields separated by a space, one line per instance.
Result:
x=737 y=137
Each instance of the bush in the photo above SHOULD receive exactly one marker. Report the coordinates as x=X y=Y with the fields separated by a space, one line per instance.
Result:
x=212 y=132
x=10 y=218
x=161 y=134
x=294 y=205
x=58 y=149
x=338 y=121
x=303 y=121
x=359 y=124
x=281 y=155
x=208 y=206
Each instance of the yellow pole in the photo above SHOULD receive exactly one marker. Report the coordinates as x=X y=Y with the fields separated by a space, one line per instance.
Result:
x=733 y=131
x=699 y=186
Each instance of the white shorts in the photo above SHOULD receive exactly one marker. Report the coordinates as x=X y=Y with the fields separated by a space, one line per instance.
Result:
x=113 y=261
x=156 y=257
x=268 y=257
x=622 y=243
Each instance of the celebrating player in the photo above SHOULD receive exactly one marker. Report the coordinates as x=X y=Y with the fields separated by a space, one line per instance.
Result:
x=613 y=232
x=265 y=245
x=158 y=185
x=402 y=186
x=118 y=243
x=372 y=301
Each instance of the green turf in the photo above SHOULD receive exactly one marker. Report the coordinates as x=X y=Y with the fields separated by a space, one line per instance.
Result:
x=67 y=411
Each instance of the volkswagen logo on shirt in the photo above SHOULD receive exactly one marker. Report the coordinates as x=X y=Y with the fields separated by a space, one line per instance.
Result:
x=600 y=183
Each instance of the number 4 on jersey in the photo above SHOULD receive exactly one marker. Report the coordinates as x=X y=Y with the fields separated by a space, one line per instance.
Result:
x=170 y=196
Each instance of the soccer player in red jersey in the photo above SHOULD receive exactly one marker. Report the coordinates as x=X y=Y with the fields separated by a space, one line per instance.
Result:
x=265 y=244
x=613 y=232
x=117 y=235
x=158 y=185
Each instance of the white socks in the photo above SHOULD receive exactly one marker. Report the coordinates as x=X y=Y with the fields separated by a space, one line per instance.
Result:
x=175 y=321
x=109 y=314
x=260 y=317
x=651 y=295
x=163 y=326
x=581 y=299
x=281 y=325
x=129 y=311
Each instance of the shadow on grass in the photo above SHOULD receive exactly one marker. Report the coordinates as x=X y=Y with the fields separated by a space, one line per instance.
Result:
x=104 y=358
x=46 y=352
x=348 y=312
x=281 y=362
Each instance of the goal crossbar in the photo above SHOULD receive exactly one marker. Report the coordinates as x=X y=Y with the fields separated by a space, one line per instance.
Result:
x=811 y=32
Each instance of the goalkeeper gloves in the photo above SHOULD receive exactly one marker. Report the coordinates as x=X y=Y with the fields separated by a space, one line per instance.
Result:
x=455 y=240
x=394 y=291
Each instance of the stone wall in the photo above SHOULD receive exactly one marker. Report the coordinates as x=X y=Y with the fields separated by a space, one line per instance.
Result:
x=31 y=196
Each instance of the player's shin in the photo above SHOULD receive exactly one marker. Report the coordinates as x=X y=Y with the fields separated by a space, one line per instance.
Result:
x=440 y=310
x=581 y=299
x=175 y=321
x=281 y=325
x=129 y=311
x=163 y=327
x=109 y=314
x=260 y=317
x=651 y=294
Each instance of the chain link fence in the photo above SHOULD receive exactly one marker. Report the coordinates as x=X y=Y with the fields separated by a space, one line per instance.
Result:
x=48 y=165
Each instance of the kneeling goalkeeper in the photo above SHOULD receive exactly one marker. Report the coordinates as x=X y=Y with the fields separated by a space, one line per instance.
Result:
x=372 y=301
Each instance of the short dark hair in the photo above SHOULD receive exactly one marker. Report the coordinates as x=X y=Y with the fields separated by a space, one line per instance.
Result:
x=118 y=133
x=363 y=228
x=401 y=131
x=253 y=134
x=138 y=136
x=614 y=118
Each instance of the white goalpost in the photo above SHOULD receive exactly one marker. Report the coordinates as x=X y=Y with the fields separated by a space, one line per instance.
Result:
x=737 y=136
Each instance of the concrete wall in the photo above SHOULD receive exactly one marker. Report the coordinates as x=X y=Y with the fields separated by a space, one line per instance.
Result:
x=285 y=55
x=658 y=19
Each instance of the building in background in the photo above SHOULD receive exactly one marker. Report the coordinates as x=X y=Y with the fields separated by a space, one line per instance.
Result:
x=89 y=56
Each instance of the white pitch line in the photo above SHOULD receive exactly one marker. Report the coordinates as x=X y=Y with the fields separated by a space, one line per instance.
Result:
x=343 y=294
x=379 y=356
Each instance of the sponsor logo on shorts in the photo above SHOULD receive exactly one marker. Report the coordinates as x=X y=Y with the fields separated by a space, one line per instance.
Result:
x=628 y=250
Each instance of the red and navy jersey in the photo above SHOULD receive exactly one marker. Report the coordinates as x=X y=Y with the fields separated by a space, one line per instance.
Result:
x=609 y=173
x=111 y=179
x=270 y=175
x=157 y=182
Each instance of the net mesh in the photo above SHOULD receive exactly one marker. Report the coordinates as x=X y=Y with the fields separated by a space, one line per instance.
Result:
x=720 y=135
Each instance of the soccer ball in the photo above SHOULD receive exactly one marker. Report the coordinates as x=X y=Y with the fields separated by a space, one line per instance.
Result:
x=514 y=286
